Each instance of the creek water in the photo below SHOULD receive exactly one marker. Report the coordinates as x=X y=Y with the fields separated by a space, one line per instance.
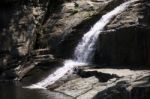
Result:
x=9 y=90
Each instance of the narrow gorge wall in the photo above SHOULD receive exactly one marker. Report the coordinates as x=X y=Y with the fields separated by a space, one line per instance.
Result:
x=20 y=22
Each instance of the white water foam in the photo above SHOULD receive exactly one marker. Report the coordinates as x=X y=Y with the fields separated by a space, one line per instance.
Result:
x=84 y=50
x=52 y=78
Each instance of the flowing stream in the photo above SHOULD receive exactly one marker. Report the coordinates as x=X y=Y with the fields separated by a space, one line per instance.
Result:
x=85 y=49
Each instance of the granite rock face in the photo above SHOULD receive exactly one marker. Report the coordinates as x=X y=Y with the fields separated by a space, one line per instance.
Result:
x=30 y=25
x=126 y=84
x=126 y=39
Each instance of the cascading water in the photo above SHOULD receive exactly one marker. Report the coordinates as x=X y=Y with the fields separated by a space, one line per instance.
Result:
x=52 y=78
x=84 y=50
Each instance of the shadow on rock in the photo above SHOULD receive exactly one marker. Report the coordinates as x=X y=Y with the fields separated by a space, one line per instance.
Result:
x=103 y=77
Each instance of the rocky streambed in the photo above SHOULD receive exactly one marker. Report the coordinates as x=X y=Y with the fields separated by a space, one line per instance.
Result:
x=107 y=83
x=85 y=83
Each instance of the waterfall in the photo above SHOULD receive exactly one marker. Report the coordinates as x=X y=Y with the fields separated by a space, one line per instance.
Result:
x=85 y=49
x=52 y=78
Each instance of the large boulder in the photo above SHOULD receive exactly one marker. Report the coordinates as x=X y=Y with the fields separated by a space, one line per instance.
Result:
x=126 y=39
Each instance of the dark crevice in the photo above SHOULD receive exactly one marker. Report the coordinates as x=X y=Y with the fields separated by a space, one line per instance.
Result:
x=103 y=77
x=51 y=8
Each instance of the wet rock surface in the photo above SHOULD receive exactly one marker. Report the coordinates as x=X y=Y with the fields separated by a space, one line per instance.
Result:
x=126 y=84
x=126 y=39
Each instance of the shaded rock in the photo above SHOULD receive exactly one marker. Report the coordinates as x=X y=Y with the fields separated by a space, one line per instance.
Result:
x=21 y=71
x=18 y=29
x=140 y=92
x=8 y=75
x=103 y=77
x=126 y=39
